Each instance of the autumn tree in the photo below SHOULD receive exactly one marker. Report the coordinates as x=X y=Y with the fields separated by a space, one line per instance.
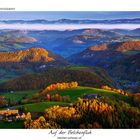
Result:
x=58 y=86
x=3 y=101
x=28 y=120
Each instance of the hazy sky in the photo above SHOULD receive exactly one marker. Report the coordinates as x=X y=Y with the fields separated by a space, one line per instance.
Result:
x=15 y=15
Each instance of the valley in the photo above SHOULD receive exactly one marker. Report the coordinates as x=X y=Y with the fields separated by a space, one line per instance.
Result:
x=80 y=78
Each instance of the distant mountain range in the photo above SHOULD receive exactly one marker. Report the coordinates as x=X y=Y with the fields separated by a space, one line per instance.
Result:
x=120 y=59
x=115 y=50
x=64 y=43
x=72 y=21
x=105 y=54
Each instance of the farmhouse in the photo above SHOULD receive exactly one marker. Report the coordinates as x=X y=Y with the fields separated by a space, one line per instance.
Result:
x=8 y=115
x=91 y=96
x=2 y=98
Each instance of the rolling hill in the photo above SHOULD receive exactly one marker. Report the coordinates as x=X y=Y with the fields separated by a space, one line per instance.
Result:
x=121 y=60
x=13 y=64
x=14 y=40
x=104 y=54
x=93 y=77
x=74 y=94
x=77 y=43
x=127 y=71
x=10 y=38
x=29 y=55
x=65 y=43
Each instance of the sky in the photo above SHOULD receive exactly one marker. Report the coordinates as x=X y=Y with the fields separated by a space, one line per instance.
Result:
x=16 y=15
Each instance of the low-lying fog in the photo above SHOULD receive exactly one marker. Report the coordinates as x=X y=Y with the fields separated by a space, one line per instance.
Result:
x=67 y=26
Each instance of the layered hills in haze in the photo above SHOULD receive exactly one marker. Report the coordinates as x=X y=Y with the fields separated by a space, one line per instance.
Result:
x=28 y=51
x=106 y=53
x=64 y=43
x=121 y=60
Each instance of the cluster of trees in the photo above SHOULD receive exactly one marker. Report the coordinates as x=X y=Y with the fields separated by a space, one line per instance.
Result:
x=3 y=101
x=39 y=123
x=90 y=125
x=41 y=80
x=56 y=97
x=120 y=91
x=61 y=86
x=61 y=113
x=136 y=99
x=43 y=97
x=94 y=113
x=12 y=102
x=84 y=113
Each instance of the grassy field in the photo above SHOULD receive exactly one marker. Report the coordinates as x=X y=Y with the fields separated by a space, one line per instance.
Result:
x=80 y=91
x=40 y=107
x=72 y=93
x=78 y=67
x=19 y=94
